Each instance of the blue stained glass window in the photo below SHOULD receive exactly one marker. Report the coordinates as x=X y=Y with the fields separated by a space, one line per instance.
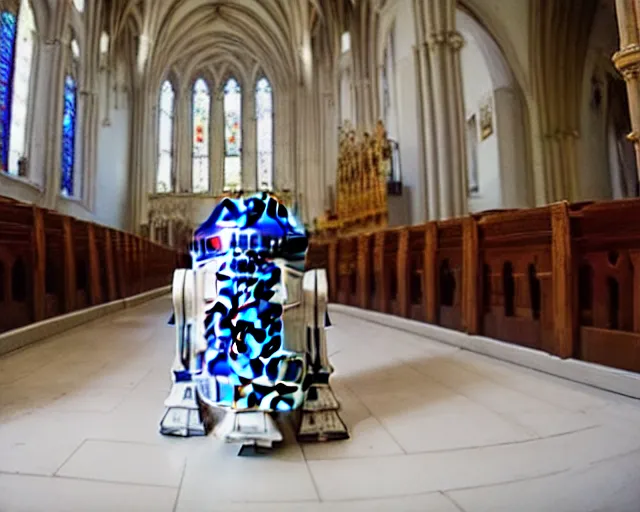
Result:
x=7 y=49
x=264 y=127
x=68 y=136
x=232 y=135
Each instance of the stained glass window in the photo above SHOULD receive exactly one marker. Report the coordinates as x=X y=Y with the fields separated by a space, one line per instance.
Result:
x=68 y=136
x=264 y=128
x=7 y=47
x=200 y=153
x=232 y=135
x=21 y=85
x=165 y=139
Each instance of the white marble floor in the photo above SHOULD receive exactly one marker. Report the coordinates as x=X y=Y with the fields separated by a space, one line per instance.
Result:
x=434 y=428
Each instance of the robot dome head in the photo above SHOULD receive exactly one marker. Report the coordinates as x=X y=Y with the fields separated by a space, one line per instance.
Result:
x=260 y=222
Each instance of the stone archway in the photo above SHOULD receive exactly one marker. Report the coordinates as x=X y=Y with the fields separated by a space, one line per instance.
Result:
x=497 y=122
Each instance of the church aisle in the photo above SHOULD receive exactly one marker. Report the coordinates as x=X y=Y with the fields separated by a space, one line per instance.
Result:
x=433 y=428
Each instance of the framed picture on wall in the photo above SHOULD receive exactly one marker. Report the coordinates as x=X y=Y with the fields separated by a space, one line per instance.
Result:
x=486 y=119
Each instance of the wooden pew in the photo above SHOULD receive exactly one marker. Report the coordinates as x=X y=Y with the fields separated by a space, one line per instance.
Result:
x=448 y=263
x=347 y=292
x=515 y=288
x=51 y=264
x=606 y=244
x=564 y=279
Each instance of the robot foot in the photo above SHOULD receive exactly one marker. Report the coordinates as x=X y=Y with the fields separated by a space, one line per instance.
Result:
x=253 y=429
x=321 y=426
x=182 y=417
x=320 y=398
x=182 y=422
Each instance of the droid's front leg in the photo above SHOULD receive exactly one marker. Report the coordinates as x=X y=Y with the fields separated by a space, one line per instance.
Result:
x=181 y=417
x=320 y=418
x=315 y=308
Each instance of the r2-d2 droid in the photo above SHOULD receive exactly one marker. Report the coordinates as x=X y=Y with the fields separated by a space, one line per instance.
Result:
x=250 y=331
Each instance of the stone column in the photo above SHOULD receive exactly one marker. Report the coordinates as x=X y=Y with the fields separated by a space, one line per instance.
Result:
x=53 y=54
x=86 y=167
x=442 y=95
x=144 y=149
x=627 y=60
x=41 y=151
x=281 y=125
x=330 y=146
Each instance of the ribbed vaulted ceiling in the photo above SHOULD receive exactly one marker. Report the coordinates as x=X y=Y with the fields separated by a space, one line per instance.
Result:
x=187 y=35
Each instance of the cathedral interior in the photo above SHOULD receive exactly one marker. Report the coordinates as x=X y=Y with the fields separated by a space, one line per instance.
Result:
x=467 y=172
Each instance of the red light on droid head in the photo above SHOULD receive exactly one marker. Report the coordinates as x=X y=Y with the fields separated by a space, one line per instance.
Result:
x=213 y=243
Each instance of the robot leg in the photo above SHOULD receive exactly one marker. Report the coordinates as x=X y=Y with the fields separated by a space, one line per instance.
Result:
x=320 y=418
x=181 y=417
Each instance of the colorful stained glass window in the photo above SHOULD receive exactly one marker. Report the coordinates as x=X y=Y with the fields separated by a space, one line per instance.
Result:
x=7 y=47
x=24 y=50
x=264 y=128
x=165 y=138
x=68 y=136
x=232 y=135
x=200 y=151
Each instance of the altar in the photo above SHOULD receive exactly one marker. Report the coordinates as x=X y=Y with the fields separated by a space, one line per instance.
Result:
x=364 y=166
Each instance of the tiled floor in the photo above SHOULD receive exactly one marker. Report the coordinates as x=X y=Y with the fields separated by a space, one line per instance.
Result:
x=433 y=429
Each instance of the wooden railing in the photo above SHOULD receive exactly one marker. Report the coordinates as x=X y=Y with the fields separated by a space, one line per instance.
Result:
x=563 y=278
x=51 y=264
